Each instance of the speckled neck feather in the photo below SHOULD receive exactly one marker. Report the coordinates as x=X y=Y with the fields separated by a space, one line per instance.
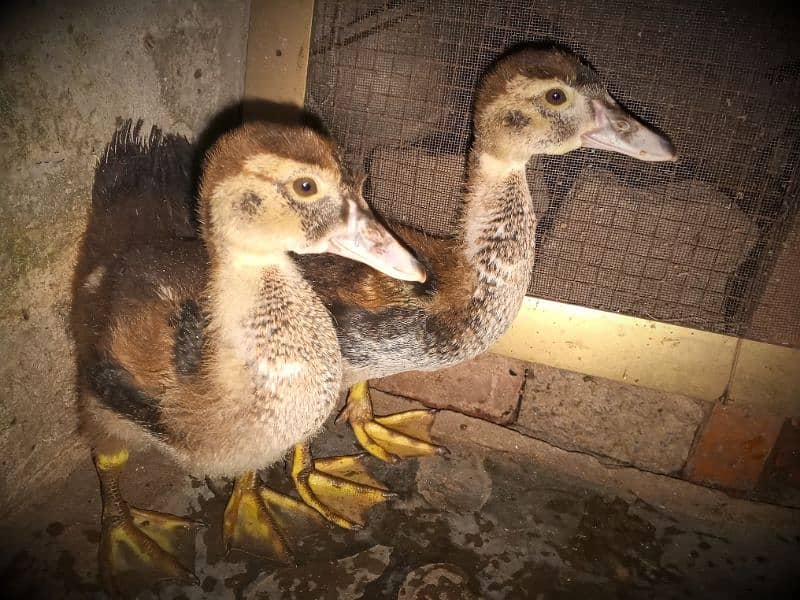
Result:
x=497 y=239
x=274 y=364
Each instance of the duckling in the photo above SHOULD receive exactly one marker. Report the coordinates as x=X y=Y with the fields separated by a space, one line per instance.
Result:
x=532 y=101
x=266 y=371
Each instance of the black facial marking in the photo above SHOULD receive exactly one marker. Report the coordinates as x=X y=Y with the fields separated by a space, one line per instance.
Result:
x=189 y=324
x=516 y=120
x=249 y=203
x=316 y=217
x=114 y=387
x=561 y=127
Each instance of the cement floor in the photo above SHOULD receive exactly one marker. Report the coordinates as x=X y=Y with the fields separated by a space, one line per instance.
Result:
x=504 y=516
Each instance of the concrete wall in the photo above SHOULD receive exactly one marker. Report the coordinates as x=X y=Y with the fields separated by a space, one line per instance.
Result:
x=69 y=71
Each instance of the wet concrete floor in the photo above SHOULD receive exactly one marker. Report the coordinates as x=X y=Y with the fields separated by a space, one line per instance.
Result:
x=482 y=523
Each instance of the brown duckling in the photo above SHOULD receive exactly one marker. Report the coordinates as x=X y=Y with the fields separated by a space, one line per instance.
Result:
x=532 y=101
x=265 y=373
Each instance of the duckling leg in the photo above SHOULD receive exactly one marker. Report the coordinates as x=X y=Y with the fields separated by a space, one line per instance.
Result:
x=256 y=518
x=340 y=488
x=139 y=547
x=390 y=438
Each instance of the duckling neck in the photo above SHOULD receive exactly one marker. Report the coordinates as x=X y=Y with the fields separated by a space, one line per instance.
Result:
x=497 y=239
x=275 y=356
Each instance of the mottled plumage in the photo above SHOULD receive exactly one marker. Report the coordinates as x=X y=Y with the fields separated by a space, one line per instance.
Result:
x=222 y=367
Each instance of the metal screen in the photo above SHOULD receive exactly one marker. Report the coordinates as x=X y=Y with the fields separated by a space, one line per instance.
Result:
x=711 y=242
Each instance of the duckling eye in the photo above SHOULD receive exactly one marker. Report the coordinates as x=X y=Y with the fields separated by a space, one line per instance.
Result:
x=305 y=187
x=555 y=96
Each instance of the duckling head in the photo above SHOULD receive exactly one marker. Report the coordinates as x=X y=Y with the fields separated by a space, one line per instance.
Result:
x=546 y=101
x=270 y=189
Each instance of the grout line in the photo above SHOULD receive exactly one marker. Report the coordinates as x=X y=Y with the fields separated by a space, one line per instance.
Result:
x=525 y=374
x=698 y=435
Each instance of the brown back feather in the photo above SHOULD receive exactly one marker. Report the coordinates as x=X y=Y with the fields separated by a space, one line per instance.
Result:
x=339 y=281
x=150 y=289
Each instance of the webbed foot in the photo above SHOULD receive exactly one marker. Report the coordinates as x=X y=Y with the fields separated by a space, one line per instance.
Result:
x=257 y=517
x=139 y=548
x=340 y=488
x=392 y=437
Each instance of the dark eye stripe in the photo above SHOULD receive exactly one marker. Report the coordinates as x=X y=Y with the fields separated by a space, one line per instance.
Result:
x=249 y=203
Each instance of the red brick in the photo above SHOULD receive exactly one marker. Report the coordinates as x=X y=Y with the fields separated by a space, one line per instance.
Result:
x=487 y=387
x=733 y=448
x=781 y=476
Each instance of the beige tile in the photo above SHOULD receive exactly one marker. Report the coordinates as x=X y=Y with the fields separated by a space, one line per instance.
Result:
x=767 y=379
x=277 y=50
x=655 y=355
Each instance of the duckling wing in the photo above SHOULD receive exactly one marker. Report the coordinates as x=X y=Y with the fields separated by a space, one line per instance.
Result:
x=140 y=268
x=149 y=337
x=155 y=325
x=142 y=192
x=386 y=326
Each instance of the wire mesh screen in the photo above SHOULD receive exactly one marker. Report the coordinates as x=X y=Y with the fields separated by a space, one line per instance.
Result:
x=712 y=241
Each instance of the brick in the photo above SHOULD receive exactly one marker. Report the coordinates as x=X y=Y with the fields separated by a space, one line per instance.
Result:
x=487 y=387
x=733 y=448
x=780 y=479
x=628 y=424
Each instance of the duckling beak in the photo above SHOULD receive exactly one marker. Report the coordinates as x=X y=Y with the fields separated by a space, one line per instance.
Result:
x=369 y=242
x=618 y=131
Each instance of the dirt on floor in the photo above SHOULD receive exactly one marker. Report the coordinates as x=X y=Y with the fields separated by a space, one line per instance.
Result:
x=503 y=516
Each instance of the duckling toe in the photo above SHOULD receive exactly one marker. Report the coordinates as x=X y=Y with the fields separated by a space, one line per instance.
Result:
x=340 y=488
x=257 y=520
x=391 y=437
x=140 y=548
x=405 y=434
